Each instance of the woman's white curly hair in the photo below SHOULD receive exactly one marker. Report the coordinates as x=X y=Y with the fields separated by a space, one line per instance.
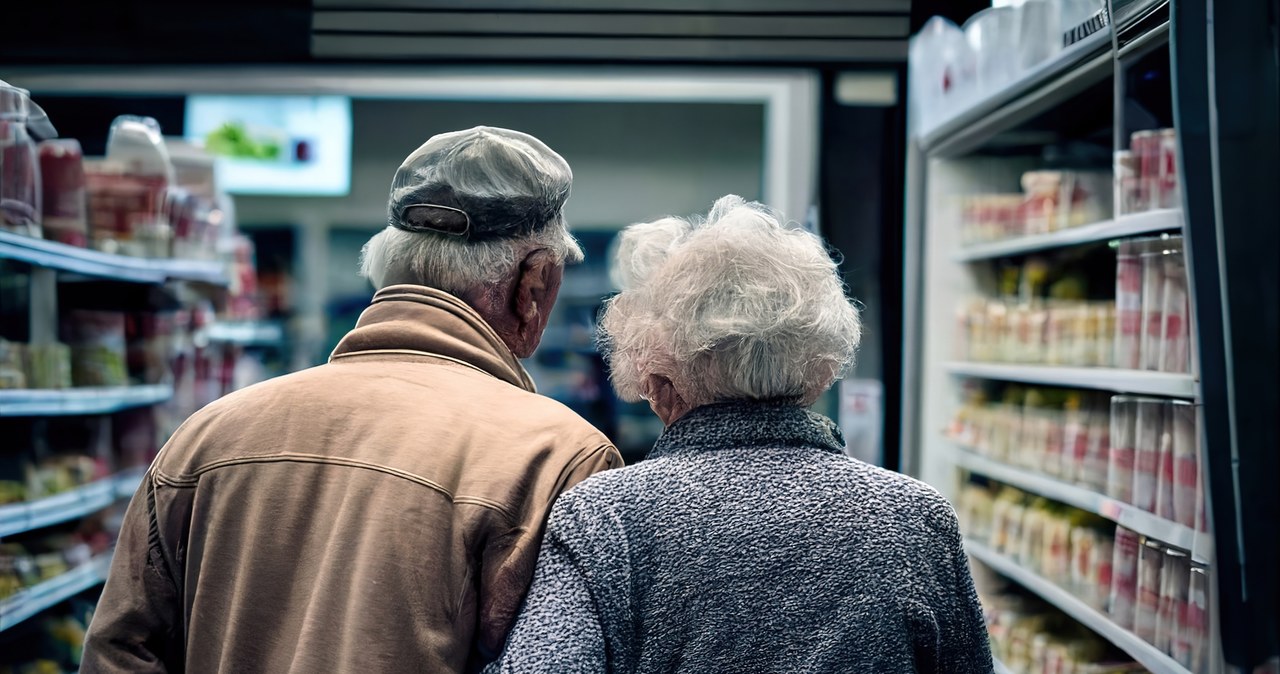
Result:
x=737 y=305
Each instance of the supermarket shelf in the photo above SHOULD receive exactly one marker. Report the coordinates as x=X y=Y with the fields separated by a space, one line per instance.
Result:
x=1128 y=516
x=1146 y=654
x=1075 y=69
x=1124 y=226
x=89 y=400
x=54 y=255
x=1100 y=378
x=51 y=592
x=69 y=505
x=247 y=333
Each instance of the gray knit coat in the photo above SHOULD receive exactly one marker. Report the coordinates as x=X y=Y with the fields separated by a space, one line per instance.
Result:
x=748 y=542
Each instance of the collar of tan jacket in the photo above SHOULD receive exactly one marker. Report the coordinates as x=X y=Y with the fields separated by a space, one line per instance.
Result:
x=411 y=319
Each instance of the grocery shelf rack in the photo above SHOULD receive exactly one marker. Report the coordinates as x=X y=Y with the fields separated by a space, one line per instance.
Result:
x=1083 y=105
x=70 y=505
x=31 y=601
x=1199 y=543
x=87 y=262
x=1142 y=652
x=83 y=400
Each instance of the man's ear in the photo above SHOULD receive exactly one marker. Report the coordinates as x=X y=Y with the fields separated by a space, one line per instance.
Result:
x=663 y=398
x=534 y=294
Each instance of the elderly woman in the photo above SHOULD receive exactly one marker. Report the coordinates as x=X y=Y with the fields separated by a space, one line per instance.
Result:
x=748 y=541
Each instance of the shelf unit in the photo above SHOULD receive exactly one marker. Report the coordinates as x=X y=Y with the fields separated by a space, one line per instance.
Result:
x=86 y=262
x=1125 y=226
x=246 y=333
x=1199 y=543
x=1144 y=653
x=1076 y=111
x=1104 y=379
x=50 y=593
x=70 y=505
x=85 y=400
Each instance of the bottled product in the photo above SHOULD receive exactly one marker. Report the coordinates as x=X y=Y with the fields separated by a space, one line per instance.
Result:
x=98 y=351
x=1147 y=606
x=1149 y=432
x=1120 y=468
x=128 y=191
x=22 y=123
x=1124 y=578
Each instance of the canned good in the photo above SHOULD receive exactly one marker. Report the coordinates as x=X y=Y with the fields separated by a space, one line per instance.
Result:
x=1148 y=436
x=1145 y=146
x=1175 y=579
x=1169 y=192
x=1125 y=169
x=1147 y=607
x=1195 y=651
x=1124 y=577
x=1186 y=462
x=1175 y=340
x=1128 y=321
x=1122 y=440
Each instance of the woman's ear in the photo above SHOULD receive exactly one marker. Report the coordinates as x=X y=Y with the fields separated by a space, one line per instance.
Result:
x=664 y=399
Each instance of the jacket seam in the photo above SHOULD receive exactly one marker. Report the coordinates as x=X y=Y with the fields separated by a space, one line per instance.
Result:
x=413 y=352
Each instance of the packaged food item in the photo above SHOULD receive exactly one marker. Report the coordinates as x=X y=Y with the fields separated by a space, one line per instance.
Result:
x=149 y=337
x=1124 y=578
x=12 y=365
x=97 y=340
x=65 y=203
x=1075 y=438
x=1147 y=607
x=1152 y=329
x=1186 y=462
x=1123 y=439
x=1125 y=170
x=1194 y=653
x=1145 y=146
x=1097 y=461
x=1175 y=581
x=127 y=192
x=1060 y=199
x=1170 y=194
x=1165 y=469
x=49 y=365
x=22 y=123
x=1148 y=433
x=1128 y=322
x=1175 y=342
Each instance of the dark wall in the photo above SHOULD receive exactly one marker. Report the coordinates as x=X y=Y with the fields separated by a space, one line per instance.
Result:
x=47 y=32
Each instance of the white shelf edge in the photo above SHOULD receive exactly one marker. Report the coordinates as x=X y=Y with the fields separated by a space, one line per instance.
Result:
x=1100 y=378
x=1144 y=653
x=1200 y=544
x=88 y=262
x=72 y=504
x=1072 y=57
x=246 y=333
x=86 y=400
x=33 y=600
x=999 y=667
x=1124 y=226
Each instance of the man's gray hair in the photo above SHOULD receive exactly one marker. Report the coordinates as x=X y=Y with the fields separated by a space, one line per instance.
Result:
x=452 y=264
x=736 y=306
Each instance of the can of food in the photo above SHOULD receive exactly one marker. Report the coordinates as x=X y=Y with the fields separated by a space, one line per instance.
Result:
x=1145 y=146
x=1175 y=579
x=1149 y=430
x=1195 y=652
x=1170 y=194
x=1152 y=322
x=1125 y=169
x=1175 y=342
x=1128 y=321
x=1120 y=462
x=1186 y=461
x=1124 y=577
x=1147 y=607
x=1098 y=457
x=1165 y=468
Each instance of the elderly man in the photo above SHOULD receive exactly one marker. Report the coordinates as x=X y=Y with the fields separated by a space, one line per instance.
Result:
x=381 y=512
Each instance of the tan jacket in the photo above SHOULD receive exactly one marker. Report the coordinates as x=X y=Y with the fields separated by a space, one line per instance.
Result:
x=380 y=513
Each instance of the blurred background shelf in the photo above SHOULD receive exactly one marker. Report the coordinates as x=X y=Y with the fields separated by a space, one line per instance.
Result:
x=1150 y=222
x=45 y=595
x=1128 y=516
x=69 y=505
x=60 y=256
x=1100 y=378
x=88 y=400
x=1146 y=654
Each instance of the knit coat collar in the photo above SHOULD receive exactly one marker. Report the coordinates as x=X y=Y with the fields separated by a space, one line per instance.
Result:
x=741 y=424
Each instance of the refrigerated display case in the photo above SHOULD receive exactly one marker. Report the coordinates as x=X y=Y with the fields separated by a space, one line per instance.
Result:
x=1091 y=324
